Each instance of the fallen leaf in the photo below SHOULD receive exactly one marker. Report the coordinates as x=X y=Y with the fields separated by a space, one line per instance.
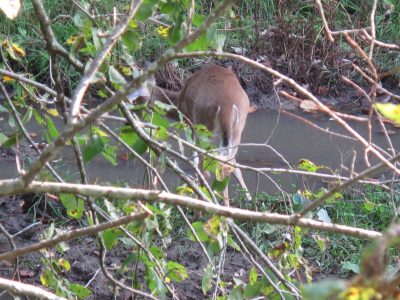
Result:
x=123 y=156
x=32 y=134
x=309 y=106
x=26 y=273
x=322 y=90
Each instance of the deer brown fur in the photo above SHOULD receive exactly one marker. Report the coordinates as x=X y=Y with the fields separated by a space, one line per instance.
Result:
x=213 y=97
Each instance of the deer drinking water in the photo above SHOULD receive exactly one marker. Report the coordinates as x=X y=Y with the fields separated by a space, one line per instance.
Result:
x=213 y=97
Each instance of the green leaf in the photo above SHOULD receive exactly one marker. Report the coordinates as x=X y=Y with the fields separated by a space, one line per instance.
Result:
x=62 y=247
x=110 y=237
x=176 y=271
x=74 y=206
x=332 y=199
x=252 y=290
x=12 y=139
x=95 y=147
x=174 y=35
x=102 y=94
x=80 y=291
x=210 y=164
x=237 y=293
x=160 y=120
x=11 y=121
x=3 y=138
x=215 y=40
x=367 y=206
x=323 y=290
x=38 y=118
x=218 y=42
x=220 y=185
x=98 y=45
x=390 y=111
x=47 y=278
x=349 y=266
x=110 y=154
x=28 y=115
x=51 y=130
x=198 y=19
x=99 y=132
x=3 y=109
x=145 y=10
x=115 y=77
x=133 y=140
x=233 y=244
x=167 y=8
x=206 y=281
x=199 y=229
x=132 y=40
x=253 y=275
x=321 y=241
x=162 y=134
x=199 y=44
x=157 y=252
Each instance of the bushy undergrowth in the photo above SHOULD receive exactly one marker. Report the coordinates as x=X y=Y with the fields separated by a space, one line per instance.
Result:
x=288 y=33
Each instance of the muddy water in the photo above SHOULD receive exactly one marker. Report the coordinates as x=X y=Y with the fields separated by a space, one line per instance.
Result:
x=293 y=140
x=290 y=138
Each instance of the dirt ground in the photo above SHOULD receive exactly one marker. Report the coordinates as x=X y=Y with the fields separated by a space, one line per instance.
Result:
x=83 y=256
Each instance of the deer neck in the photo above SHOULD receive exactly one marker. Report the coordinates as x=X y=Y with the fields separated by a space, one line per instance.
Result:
x=165 y=96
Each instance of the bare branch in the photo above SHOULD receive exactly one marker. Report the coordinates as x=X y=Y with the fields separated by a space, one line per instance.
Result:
x=20 y=288
x=73 y=234
x=184 y=201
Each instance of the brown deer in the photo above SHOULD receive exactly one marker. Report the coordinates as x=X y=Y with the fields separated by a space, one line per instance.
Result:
x=213 y=97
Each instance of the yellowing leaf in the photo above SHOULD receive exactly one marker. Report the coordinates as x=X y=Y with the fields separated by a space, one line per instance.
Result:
x=10 y=8
x=163 y=31
x=211 y=227
x=7 y=79
x=127 y=71
x=63 y=263
x=390 y=111
x=308 y=165
x=71 y=40
x=18 y=50
x=53 y=112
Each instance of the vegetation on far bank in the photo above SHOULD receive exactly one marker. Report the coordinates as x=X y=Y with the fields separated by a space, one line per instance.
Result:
x=77 y=61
